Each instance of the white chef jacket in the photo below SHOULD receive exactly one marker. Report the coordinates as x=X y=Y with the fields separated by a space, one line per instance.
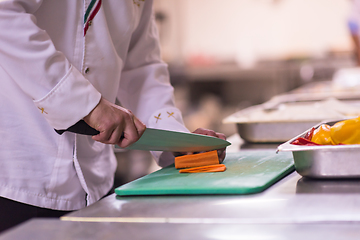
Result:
x=57 y=58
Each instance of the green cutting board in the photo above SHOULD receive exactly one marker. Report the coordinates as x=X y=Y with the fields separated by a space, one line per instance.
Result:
x=247 y=172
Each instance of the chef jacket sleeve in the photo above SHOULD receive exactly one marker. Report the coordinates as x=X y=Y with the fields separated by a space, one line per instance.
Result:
x=29 y=57
x=145 y=86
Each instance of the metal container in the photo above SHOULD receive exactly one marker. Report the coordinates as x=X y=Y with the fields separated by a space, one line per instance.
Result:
x=328 y=161
x=269 y=122
x=272 y=131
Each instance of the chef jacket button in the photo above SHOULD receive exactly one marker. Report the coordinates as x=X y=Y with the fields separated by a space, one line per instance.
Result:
x=90 y=22
x=87 y=70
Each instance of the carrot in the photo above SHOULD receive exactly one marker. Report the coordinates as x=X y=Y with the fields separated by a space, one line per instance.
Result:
x=197 y=160
x=209 y=168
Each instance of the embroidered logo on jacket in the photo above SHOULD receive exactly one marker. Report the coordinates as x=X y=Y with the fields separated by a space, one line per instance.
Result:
x=42 y=110
x=171 y=114
x=90 y=13
x=158 y=117
x=137 y=2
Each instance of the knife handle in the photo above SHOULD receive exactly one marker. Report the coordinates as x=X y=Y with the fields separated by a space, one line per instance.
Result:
x=81 y=127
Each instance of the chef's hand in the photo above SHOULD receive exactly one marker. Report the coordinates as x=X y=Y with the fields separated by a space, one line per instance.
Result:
x=112 y=121
x=202 y=131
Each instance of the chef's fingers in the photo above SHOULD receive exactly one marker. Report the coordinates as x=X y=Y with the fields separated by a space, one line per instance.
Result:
x=107 y=133
x=132 y=132
x=140 y=126
x=178 y=154
x=115 y=136
x=208 y=132
x=104 y=132
x=221 y=154
x=112 y=121
x=128 y=126
x=119 y=135
x=221 y=136
x=204 y=131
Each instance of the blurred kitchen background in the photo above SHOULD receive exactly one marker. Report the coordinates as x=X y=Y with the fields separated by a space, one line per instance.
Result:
x=228 y=55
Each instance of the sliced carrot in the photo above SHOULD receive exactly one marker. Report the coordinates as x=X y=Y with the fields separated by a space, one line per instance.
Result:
x=209 y=168
x=197 y=160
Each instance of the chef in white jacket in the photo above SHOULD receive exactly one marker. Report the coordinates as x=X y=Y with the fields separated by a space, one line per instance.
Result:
x=63 y=61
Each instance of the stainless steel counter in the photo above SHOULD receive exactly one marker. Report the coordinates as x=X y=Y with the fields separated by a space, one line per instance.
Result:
x=293 y=208
x=59 y=230
x=291 y=200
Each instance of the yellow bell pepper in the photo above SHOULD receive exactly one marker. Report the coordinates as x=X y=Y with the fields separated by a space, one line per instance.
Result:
x=346 y=131
x=343 y=132
x=322 y=135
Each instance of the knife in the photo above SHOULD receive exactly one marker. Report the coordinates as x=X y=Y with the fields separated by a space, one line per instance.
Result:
x=161 y=140
x=172 y=141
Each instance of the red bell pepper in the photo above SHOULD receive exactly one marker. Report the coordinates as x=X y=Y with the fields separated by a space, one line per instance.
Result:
x=304 y=142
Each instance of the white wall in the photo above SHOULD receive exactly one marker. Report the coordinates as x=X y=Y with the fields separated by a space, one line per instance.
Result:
x=247 y=30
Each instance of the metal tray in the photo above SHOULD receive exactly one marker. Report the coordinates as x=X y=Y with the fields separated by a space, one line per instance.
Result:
x=271 y=132
x=267 y=123
x=341 y=161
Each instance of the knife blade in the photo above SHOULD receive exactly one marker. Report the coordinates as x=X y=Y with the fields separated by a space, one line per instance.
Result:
x=161 y=140
x=172 y=141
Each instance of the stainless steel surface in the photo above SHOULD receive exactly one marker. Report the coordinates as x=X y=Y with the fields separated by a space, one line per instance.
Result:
x=287 y=115
x=288 y=201
x=328 y=186
x=293 y=208
x=272 y=131
x=266 y=129
x=315 y=91
x=258 y=125
x=42 y=229
x=296 y=97
x=340 y=161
